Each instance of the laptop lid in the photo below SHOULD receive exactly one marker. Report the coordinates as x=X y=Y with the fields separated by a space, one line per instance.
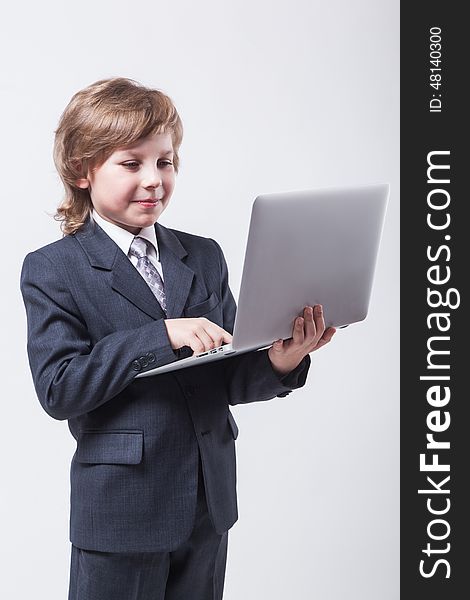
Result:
x=308 y=247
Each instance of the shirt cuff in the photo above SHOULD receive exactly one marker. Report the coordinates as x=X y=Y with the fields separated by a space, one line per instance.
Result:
x=296 y=378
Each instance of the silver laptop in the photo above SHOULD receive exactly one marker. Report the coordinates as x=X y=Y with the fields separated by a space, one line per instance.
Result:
x=305 y=247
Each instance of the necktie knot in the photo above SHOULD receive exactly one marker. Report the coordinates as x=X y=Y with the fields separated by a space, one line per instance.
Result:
x=138 y=247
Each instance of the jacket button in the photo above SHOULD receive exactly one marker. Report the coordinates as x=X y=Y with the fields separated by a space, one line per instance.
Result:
x=136 y=365
x=151 y=357
x=144 y=362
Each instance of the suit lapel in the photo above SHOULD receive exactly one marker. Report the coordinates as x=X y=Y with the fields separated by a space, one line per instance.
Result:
x=103 y=253
x=178 y=277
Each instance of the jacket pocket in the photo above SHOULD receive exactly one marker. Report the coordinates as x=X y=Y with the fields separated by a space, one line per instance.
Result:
x=202 y=308
x=110 y=447
x=233 y=425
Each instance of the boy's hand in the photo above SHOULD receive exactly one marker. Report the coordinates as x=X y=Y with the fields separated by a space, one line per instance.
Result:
x=200 y=334
x=308 y=334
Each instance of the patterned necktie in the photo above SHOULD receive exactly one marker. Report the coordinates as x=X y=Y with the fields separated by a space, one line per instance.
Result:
x=147 y=270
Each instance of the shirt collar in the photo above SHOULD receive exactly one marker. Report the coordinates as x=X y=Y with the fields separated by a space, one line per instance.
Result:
x=124 y=238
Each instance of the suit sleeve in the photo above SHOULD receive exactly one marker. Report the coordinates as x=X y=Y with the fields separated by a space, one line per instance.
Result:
x=250 y=376
x=70 y=374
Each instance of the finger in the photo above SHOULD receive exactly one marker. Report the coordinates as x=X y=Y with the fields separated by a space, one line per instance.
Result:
x=278 y=345
x=203 y=337
x=227 y=337
x=298 y=334
x=329 y=333
x=319 y=320
x=218 y=334
x=196 y=344
x=309 y=325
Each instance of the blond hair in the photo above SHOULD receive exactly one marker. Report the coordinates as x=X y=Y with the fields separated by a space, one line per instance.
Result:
x=108 y=114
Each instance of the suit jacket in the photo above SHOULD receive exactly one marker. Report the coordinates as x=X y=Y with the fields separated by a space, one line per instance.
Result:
x=93 y=324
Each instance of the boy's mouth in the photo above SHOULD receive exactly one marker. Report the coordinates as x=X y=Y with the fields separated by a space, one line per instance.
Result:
x=148 y=202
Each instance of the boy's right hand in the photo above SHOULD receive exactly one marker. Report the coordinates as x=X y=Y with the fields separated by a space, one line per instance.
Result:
x=199 y=334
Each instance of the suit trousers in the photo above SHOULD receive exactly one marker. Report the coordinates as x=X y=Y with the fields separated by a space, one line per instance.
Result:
x=194 y=571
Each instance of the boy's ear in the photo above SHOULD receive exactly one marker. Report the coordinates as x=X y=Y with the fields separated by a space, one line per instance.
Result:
x=82 y=183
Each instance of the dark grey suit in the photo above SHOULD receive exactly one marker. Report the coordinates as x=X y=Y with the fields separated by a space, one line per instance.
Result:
x=93 y=324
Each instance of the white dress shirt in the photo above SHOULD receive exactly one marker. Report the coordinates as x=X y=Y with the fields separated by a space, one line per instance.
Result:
x=124 y=239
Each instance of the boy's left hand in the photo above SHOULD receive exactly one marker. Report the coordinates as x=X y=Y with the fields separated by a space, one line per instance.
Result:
x=308 y=334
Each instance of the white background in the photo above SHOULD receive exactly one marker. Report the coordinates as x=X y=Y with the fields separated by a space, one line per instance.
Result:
x=273 y=96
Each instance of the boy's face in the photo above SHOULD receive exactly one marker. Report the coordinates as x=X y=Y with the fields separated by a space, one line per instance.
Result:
x=134 y=185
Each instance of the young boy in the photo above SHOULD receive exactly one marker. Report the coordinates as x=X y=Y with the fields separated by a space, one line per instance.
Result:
x=153 y=478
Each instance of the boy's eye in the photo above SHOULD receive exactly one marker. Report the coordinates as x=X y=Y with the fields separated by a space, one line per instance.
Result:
x=132 y=164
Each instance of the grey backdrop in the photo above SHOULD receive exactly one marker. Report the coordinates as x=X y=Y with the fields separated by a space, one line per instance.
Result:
x=273 y=96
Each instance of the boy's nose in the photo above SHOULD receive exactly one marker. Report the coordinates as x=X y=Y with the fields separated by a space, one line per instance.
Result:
x=151 y=178
x=152 y=184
